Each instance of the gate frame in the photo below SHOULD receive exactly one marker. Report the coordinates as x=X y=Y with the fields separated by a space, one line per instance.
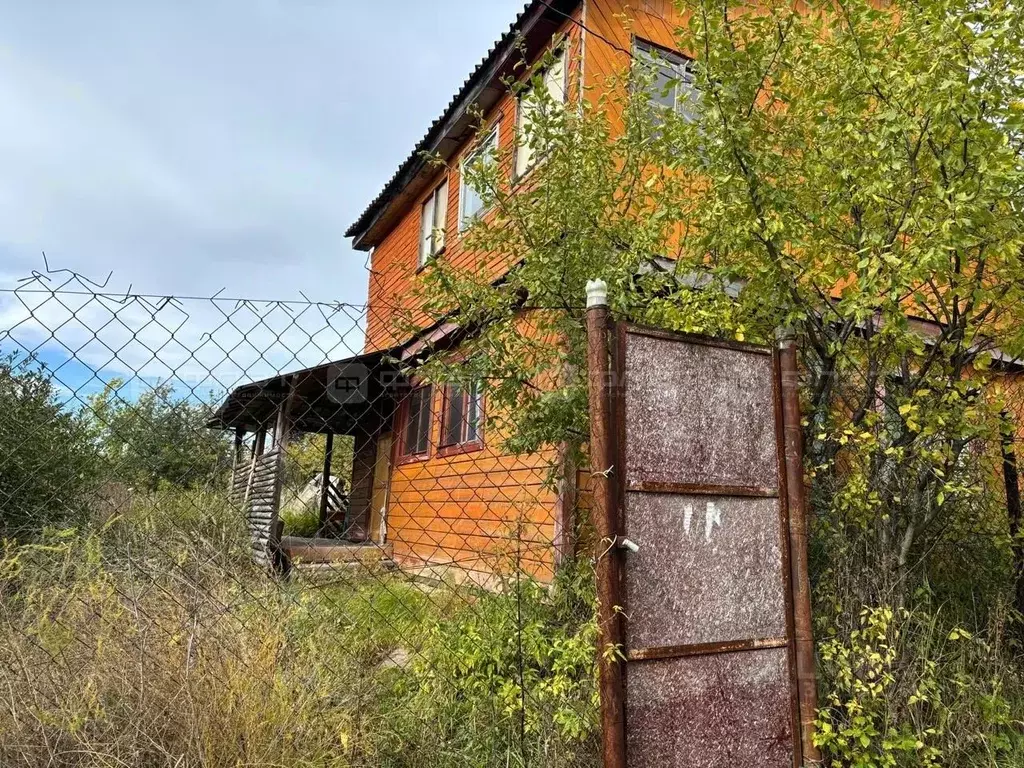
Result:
x=606 y=342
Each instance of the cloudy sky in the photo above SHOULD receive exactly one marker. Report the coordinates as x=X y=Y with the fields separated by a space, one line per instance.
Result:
x=189 y=145
x=194 y=145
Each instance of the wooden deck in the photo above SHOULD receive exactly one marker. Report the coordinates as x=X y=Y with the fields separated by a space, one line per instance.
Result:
x=300 y=550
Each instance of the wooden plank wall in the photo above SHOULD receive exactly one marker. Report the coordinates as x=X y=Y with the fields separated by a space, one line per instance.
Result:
x=474 y=509
x=614 y=24
x=481 y=509
x=394 y=262
x=393 y=266
x=256 y=491
x=481 y=512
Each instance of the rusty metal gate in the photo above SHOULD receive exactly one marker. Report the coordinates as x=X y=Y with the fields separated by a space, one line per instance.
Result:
x=697 y=587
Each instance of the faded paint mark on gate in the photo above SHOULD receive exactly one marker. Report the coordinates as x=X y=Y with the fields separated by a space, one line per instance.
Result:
x=710 y=676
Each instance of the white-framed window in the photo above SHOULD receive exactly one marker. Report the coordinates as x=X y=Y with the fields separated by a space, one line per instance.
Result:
x=434 y=218
x=471 y=203
x=668 y=80
x=530 y=146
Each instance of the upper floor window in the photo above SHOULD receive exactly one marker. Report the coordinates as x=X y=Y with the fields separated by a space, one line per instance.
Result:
x=530 y=143
x=669 y=81
x=471 y=199
x=415 y=419
x=463 y=415
x=432 y=224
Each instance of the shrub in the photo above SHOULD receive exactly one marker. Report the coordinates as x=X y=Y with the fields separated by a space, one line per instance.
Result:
x=150 y=639
x=509 y=679
x=158 y=438
x=916 y=689
x=48 y=465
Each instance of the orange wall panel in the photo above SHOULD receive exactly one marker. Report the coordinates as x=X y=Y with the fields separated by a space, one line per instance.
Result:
x=471 y=510
x=394 y=263
x=481 y=510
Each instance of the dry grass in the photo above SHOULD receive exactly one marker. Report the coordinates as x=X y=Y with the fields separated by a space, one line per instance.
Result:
x=151 y=641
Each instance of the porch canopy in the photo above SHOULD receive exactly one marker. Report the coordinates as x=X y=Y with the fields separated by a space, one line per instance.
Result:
x=356 y=395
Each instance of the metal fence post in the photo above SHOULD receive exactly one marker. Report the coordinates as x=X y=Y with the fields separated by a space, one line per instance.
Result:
x=605 y=512
x=803 y=630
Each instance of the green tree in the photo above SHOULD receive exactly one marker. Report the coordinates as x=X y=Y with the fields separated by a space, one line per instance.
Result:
x=48 y=464
x=852 y=168
x=849 y=172
x=158 y=438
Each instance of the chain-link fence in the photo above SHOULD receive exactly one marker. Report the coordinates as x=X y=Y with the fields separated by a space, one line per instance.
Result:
x=233 y=535
x=236 y=533
x=913 y=453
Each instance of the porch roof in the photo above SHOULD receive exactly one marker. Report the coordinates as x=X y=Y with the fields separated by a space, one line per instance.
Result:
x=355 y=394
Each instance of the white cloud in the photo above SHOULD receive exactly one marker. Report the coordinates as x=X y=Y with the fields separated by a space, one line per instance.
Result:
x=177 y=142
x=191 y=146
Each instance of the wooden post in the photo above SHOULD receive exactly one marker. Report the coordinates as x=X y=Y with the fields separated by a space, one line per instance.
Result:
x=259 y=445
x=360 y=497
x=606 y=521
x=236 y=458
x=325 y=487
x=282 y=429
x=803 y=629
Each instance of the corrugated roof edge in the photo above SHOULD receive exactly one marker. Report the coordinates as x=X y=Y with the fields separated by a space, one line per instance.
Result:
x=399 y=180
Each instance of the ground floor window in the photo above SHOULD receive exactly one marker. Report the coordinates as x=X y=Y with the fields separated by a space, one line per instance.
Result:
x=463 y=416
x=416 y=417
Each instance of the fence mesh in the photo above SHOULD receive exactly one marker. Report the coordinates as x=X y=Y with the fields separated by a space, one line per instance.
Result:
x=912 y=444
x=236 y=533
x=234 y=537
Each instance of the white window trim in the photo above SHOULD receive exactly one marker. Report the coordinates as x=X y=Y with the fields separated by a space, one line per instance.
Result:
x=464 y=220
x=426 y=252
x=677 y=61
x=562 y=57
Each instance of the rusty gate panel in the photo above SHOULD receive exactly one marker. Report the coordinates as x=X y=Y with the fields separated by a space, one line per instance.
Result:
x=673 y=434
x=710 y=570
x=727 y=710
x=708 y=638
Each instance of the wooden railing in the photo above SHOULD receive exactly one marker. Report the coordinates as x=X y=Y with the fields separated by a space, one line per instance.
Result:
x=256 y=490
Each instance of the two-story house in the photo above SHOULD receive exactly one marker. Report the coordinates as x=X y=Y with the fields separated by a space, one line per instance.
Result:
x=429 y=482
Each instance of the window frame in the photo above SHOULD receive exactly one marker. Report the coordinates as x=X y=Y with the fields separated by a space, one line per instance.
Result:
x=434 y=250
x=402 y=453
x=492 y=139
x=463 y=444
x=648 y=53
x=561 y=59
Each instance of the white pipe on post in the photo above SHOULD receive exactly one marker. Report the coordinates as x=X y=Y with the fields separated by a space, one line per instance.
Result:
x=597 y=293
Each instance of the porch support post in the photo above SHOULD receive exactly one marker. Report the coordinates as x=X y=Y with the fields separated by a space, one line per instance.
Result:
x=236 y=457
x=326 y=483
x=283 y=427
x=360 y=496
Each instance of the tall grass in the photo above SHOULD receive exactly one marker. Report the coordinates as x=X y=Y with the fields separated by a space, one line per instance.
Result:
x=148 y=639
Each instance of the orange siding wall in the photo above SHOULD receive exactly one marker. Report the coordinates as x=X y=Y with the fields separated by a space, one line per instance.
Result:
x=482 y=510
x=479 y=510
x=618 y=22
x=393 y=272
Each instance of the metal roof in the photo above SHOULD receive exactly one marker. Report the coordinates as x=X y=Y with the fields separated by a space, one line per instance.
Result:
x=316 y=408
